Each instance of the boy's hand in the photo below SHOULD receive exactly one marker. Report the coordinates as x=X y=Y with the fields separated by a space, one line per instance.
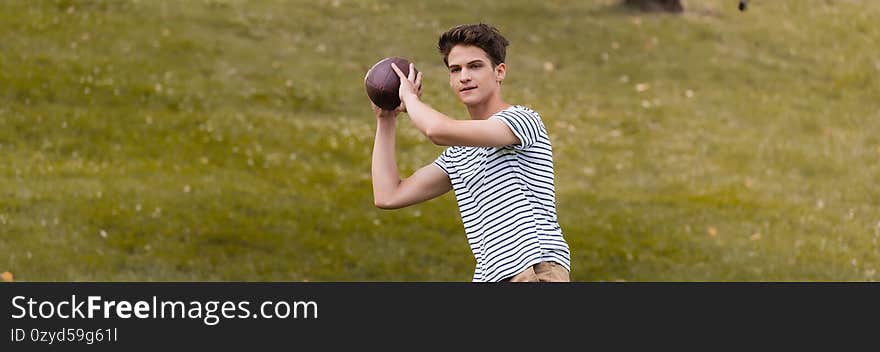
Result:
x=409 y=85
x=384 y=113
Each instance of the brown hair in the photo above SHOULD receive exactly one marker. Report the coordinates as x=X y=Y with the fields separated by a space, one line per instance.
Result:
x=481 y=35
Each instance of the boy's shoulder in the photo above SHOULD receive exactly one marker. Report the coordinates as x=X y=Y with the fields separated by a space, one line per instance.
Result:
x=524 y=108
x=521 y=109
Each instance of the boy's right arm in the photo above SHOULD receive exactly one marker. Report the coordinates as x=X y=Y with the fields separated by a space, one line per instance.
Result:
x=389 y=191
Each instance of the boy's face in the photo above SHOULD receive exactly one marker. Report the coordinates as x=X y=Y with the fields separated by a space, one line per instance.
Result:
x=471 y=75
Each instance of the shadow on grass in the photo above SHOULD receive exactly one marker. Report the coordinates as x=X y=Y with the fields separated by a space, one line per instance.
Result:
x=631 y=8
x=624 y=8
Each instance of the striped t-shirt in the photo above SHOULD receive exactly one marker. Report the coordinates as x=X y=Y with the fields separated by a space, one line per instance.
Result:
x=507 y=199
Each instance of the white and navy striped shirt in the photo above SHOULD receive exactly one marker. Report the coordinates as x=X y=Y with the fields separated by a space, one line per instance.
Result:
x=507 y=199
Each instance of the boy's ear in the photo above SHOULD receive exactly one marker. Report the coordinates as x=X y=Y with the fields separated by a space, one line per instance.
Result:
x=500 y=72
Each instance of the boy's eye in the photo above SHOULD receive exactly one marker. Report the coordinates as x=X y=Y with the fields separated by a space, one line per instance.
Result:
x=455 y=69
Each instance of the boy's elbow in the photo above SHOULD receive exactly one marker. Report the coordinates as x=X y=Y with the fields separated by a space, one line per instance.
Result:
x=436 y=133
x=431 y=133
x=436 y=137
x=385 y=204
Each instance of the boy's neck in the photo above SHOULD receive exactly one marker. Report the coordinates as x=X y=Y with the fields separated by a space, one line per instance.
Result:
x=487 y=109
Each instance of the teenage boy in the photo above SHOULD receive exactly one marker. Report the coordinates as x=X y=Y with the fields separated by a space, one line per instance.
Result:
x=499 y=163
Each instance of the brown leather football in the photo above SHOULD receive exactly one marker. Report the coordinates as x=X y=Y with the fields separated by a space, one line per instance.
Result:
x=383 y=84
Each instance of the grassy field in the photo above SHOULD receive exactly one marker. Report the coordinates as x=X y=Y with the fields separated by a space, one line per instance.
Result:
x=230 y=140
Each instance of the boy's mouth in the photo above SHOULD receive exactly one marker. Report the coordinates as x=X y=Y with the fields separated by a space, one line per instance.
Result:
x=465 y=89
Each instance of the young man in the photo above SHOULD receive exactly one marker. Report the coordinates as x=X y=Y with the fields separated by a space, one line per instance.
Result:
x=500 y=163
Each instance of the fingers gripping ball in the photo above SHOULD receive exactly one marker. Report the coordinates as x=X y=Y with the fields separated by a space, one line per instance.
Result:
x=383 y=84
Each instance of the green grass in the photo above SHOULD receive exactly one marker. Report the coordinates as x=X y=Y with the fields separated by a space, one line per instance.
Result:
x=230 y=140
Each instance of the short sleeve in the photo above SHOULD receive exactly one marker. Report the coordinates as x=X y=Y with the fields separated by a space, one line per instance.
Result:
x=525 y=125
x=441 y=161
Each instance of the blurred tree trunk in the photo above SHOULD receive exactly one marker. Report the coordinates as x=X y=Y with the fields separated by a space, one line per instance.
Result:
x=656 y=5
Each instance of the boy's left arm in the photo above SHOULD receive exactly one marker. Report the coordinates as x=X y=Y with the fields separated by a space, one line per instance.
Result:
x=443 y=130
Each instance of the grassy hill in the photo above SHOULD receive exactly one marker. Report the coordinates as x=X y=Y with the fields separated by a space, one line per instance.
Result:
x=231 y=140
